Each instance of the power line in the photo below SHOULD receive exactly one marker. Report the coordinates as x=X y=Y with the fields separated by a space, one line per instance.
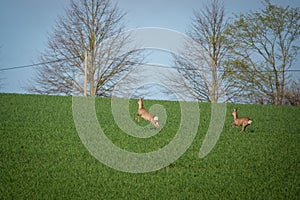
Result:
x=209 y=70
x=146 y=64
x=35 y=64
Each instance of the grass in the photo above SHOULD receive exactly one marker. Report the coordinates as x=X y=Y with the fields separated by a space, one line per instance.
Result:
x=42 y=157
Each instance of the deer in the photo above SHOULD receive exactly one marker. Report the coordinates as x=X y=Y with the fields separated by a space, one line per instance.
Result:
x=142 y=112
x=244 y=121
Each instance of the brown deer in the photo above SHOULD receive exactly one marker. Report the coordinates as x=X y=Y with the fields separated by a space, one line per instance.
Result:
x=244 y=121
x=142 y=112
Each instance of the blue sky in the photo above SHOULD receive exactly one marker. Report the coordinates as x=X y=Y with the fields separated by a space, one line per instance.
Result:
x=25 y=24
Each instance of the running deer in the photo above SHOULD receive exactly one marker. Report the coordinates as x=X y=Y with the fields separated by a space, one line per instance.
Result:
x=244 y=121
x=142 y=112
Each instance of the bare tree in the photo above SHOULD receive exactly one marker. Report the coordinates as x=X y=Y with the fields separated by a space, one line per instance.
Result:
x=292 y=93
x=264 y=44
x=95 y=26
x=201 y=60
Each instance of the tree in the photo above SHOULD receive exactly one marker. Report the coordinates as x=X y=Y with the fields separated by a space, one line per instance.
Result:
x=264 y=45
x=95 y=26
x=201 y=60
x=292 y=94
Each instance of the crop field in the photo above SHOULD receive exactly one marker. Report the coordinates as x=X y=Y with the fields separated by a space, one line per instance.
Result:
x=43 y=157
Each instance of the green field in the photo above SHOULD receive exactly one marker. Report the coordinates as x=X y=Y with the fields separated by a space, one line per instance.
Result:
x=42 y=156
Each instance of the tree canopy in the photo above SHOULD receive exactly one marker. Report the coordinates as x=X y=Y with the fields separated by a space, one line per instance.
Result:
x=95 y=27
x=265 y=46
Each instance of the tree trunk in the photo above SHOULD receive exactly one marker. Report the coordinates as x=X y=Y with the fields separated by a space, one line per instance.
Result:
x=213 y=96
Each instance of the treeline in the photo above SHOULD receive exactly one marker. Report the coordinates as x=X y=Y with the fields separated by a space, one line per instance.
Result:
x=242 y=58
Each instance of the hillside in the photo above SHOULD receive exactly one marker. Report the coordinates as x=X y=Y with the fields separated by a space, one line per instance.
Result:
x=42 y=156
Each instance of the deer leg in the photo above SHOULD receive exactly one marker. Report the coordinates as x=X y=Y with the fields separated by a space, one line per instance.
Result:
x=155 y=123
x=137 y=117
x=244 y=126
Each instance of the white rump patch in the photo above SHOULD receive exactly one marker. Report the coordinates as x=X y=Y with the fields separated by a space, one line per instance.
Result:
x=155 y=118
x=250 y=121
